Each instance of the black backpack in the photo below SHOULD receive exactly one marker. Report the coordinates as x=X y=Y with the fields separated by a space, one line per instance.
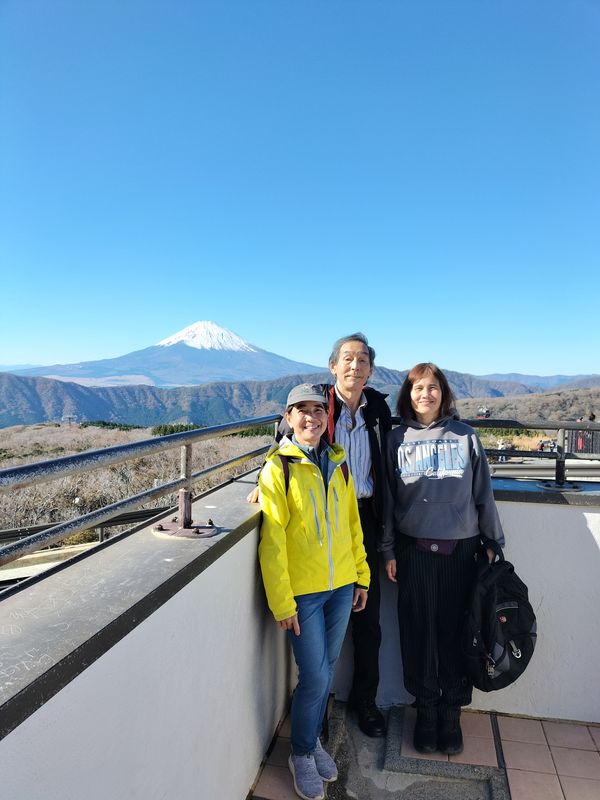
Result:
x=500 y=629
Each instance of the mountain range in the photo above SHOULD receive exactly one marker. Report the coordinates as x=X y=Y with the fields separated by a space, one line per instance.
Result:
x=542 y=383
x=28 y=400
x=201 y=353
x=208 y=375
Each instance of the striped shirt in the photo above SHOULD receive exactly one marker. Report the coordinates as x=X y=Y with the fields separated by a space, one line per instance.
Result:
x=354 y=438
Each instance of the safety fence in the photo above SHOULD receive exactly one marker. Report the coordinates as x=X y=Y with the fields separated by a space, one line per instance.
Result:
x=573 y=442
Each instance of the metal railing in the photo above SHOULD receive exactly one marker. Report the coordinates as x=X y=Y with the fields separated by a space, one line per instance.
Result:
x=20 y=477
x=29 y=474
x=8 y=535
x=566 y=441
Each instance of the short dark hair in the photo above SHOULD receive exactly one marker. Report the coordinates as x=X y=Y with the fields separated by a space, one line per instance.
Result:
x=404 y=407
x=353 y=337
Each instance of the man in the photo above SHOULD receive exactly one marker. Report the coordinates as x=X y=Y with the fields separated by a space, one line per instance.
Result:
x=358 y=419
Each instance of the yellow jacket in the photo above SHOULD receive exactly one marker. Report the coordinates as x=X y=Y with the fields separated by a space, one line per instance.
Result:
x=308 y=542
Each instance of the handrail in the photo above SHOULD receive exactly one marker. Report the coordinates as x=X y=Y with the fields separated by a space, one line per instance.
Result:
x=19 y=477
x=29 y=474
x=536 y=425
x=129 y=518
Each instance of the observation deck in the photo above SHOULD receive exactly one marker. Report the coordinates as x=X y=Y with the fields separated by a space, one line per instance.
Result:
x=149 y=666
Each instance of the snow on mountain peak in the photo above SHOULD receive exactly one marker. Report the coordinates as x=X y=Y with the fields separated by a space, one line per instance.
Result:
x=206 y=335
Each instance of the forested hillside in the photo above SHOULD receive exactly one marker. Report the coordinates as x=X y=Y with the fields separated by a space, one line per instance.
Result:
x=28 y=400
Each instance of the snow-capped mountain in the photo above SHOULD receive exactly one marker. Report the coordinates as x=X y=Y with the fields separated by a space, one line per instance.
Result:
x=201 y=353
x=206 y=335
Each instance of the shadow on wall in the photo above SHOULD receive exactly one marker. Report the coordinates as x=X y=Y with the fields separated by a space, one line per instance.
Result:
x=391 y=687
x=556 y=551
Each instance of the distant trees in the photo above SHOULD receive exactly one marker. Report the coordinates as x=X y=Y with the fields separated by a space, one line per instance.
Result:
x=114 y=426
x=258 y=430
x=509 y=433
x=167 y=430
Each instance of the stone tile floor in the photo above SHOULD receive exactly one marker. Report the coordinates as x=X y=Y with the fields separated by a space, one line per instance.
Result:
x=541 y=760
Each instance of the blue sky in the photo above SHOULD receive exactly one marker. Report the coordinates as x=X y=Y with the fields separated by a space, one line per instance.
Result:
x=426 y=172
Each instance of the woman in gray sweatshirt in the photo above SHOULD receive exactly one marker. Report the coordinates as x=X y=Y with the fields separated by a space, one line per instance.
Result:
x=440 y=511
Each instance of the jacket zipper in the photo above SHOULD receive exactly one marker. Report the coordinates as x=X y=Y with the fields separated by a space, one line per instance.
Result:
x=337 y=519
x=329 y=543
x=316 y=515
x=319 y=535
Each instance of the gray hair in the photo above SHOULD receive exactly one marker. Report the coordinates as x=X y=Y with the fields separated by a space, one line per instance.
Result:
x=353 y=337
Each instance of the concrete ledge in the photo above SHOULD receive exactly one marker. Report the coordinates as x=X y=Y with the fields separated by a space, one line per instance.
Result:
x=156 y=658
x=41 y=561
x=58 y=624
x=529 y=490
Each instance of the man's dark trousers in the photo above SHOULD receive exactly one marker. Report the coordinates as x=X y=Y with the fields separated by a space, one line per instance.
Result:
x=366 y=632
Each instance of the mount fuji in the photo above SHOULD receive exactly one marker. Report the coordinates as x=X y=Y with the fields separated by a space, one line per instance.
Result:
x=201 y=353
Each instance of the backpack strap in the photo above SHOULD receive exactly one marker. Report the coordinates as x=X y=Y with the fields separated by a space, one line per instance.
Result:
x=331 y=415
x=285 y=463
x=344 y=468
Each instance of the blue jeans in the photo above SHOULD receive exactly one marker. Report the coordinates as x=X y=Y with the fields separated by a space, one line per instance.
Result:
x=323 y=619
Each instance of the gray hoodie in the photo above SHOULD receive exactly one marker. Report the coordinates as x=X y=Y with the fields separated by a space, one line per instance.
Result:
x=438 y=484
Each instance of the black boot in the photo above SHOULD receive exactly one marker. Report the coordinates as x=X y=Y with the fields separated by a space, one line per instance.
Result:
x=450 y=738
x=426 y=736
x=369 y=717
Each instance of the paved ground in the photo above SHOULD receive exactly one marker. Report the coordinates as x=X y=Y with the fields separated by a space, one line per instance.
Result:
x=504 y=758
x=380 y=769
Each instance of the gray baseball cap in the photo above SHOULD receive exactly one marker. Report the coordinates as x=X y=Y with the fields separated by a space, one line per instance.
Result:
x=306 y=392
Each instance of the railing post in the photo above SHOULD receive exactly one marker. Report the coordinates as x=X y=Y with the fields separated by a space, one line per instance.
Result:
x=185 y=495
x=561 y=471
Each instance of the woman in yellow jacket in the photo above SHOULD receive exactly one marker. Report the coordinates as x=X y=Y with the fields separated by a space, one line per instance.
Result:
x=314 y=569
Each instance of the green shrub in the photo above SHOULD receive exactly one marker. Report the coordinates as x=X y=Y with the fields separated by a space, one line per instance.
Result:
x=118 y=426
x=167 y=430
x=258 y=430
x=507 y=433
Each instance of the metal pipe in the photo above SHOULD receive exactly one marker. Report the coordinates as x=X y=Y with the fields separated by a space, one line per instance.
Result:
x=185 y=494
x=560 y=475
x=29 y=474
x=92 y=520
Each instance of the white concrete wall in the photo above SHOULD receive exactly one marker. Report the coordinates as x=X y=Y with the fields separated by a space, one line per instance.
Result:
x=183 y=708
x=556 y=551
x=185 y=705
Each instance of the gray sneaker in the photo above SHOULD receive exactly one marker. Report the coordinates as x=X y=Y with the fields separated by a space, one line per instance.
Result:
x=325 y=764
x=307 y=781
